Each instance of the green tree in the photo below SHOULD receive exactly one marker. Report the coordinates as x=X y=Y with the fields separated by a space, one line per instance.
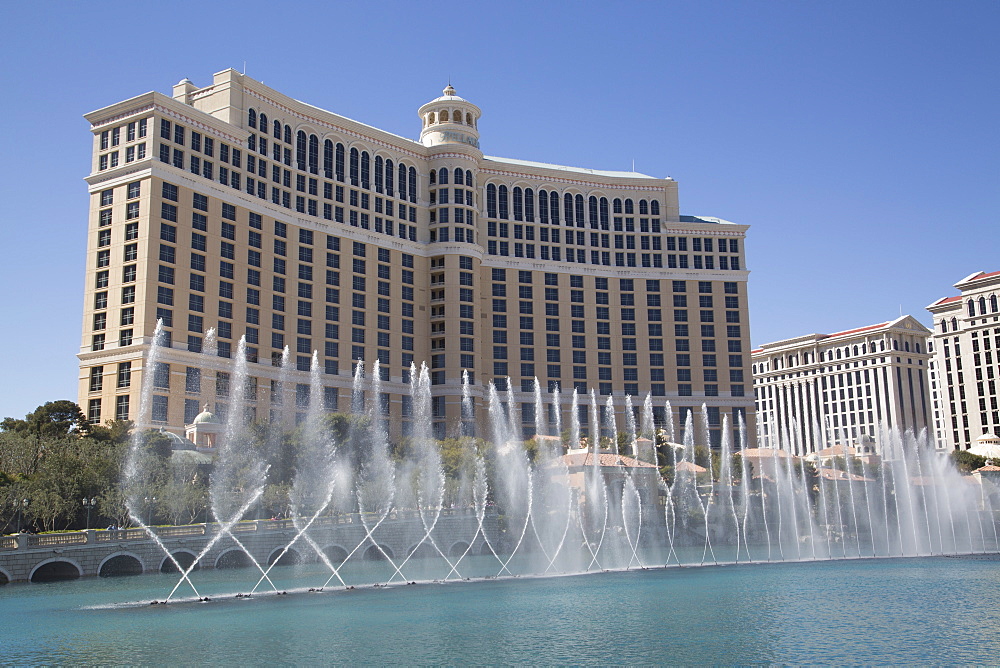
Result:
x=20 y=454
x=52 y=419
x=967 y=462
x=112 y=431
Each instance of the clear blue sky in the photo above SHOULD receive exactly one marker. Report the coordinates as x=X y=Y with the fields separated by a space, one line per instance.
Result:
x=859 y=139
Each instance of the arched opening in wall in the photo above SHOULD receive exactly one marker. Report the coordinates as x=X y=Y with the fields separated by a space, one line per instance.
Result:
x=3 y=578
x=185 y=559
x=55 y=571
x=234 y=559
x=289 y=558
x=458 y=549
x=373 y=553
x=422 y=551
x=468 y=119
x=485 y=549
x=335 y=553
x=443 y=115
x=122 y=564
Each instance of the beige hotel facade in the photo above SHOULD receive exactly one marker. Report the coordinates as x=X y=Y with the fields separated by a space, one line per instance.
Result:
x=820 y=390
x=236 y=208
x=966 y=365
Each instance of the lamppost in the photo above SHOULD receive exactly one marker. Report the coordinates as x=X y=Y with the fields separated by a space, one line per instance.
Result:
x=22 y=507
x=149 y=509
x=89 y=504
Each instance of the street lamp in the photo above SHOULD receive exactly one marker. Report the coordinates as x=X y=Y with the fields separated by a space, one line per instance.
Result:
x=149 y=509
x=89 y=504
x=22 y=507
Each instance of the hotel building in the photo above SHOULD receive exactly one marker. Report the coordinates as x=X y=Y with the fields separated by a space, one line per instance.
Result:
x=821 y=389
x=966 y=362
x=236 y=208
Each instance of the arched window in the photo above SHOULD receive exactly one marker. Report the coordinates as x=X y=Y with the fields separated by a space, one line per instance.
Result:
x=469 y=182
x=629 y=209
x=579 y=211
x=855 y=350
x=954 y=324
x=972 y=308
x=993 y=303
x=340 y=162
x=443 y=115
x=895 y=344
x=379 y=174
x=906 y=346
x=568 y=209
x=252 y=118
x=366 y=170
x=643 y=207
x=459 y=176
x=554 y=207
x=518 y=204
x=529 y=205
x=982 y=306
x=390 y=177
x=300 y=150
x=504 y=202
x=262 y=123
x=355 y=167
x=433 y=178
x=604 y=213
x=277 y=130
x=592 y=203
x=314 y=154
x=432 y=118
x=617 y=205
x=944 y=326
x=491 y=201
x=402 y=181
x=468 y=119
x=917 y=345
x=443 y=176
x=288 y=134
x=543 y=206
x=654 y=208
x=881 y=345
x=328 y=159
x=838 y=353
x=413 y=184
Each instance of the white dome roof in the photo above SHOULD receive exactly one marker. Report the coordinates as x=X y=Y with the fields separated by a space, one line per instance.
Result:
x=987 y=445
x=205 y=416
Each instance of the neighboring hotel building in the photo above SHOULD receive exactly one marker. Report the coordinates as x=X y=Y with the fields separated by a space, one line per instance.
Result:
x=237 y=208
x=966 y=362
x=822 y=389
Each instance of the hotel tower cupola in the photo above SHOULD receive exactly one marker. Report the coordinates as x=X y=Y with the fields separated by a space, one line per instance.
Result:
x=449 y=119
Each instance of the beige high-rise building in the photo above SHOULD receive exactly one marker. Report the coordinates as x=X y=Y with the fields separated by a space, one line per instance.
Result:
x=237 y=209
x=966 y=362
x=821 y=389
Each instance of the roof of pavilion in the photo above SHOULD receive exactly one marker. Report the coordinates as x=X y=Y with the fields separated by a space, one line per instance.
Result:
x=605 y=459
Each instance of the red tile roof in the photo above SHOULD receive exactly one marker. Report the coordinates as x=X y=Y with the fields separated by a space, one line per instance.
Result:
x=605 y=459
x=948 y=300
x=837 y=475
x=690 y=466
x=859 y=329
x=984 y=274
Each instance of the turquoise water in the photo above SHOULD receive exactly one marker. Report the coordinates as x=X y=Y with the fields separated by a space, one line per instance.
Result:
x=885 y=611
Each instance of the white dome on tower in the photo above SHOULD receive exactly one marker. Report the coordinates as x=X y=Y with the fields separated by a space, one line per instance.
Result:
x=449 y=119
